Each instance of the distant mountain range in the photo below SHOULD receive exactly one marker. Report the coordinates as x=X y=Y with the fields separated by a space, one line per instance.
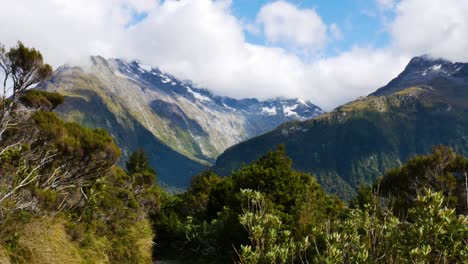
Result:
x=182 y=127
x=426 y=105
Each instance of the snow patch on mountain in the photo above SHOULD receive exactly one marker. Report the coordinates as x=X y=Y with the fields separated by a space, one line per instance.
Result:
x=164 y=78
x=197 y=95
x=289 y=110
x=145 y=67
x=228 y=107
x=436 y=67
x=269 y=110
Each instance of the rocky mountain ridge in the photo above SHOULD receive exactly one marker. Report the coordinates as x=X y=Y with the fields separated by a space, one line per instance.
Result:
x=135 y=101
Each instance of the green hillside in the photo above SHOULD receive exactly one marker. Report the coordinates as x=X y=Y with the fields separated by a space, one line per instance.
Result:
x=361 y=140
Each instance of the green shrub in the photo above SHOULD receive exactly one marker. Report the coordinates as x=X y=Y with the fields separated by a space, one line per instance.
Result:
x=41 y=99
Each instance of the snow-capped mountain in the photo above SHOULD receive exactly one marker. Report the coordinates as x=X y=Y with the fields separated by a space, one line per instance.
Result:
x=423 y=70
x=279 y=108
x=135 y=101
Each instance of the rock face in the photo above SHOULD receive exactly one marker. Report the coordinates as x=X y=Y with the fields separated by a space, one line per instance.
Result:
x=426 y=105
x=182 y=127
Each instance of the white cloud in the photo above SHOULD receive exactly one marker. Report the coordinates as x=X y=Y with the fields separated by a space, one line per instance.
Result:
x=285 y=23
x=351 y=74
x=202 y=41
x=436 y=27
x=67 y=29
x=336 y=31
x=386 y=4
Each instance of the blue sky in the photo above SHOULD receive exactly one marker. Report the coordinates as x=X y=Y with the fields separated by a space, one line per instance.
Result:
x=362 y=22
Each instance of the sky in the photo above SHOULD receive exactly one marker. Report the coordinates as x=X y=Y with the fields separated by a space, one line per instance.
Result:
x=325 y=51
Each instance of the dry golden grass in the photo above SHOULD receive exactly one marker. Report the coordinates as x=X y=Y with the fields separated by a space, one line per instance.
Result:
x=4 y=258
x=45 y=241
x=145 y=244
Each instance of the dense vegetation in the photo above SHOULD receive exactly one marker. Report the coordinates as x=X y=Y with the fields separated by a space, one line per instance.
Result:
x=63 y=199
x=267 y=212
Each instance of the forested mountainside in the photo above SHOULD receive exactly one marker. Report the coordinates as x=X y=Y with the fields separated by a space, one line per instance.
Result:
x=183 y=128
x=426 y=105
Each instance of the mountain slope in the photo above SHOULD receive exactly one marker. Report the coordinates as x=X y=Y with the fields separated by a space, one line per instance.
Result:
x=360 y=140
x=183 y=128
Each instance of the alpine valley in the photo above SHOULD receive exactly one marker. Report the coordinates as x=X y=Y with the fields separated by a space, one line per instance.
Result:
x=426 y=105
x=182 y=127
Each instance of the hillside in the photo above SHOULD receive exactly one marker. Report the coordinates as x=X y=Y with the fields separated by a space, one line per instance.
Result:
x=183 y=128
x=361 y=140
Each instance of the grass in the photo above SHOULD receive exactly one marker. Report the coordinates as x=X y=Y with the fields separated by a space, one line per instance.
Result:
x=46 y=241
x=4 y=257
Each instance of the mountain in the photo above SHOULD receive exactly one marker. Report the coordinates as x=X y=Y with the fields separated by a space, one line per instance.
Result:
x=182 y=127
x=426 y=105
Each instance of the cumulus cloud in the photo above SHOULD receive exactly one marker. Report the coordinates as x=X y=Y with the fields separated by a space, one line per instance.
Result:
x=351 y=74
x=68 y=29
x=285 y=23
x=436 y=27
x=203 y=41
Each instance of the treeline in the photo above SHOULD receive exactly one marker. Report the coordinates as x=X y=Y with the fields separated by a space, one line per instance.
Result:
x=64 y=199
x=267 y=212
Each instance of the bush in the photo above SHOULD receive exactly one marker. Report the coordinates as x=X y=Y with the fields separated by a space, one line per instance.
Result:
x=41 y=99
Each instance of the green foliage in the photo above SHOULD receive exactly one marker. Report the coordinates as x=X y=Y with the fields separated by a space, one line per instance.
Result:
x=364 y=197
x=443 y=170
x=138 y=162
x=25 y=66
x=197 y=197
x=62 y=200
x=287 y=218
x=435 y=234
x=95 y=146
x=41 y=99
x=212 y=206
x=270 y=242
x=296 y=196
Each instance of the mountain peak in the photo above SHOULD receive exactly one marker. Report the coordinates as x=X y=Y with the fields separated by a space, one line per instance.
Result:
x=426 y=62
x=423 y=70
x=288 y=108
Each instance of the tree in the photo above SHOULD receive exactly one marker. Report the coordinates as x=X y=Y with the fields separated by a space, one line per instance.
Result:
x=24 y=67
x=37 y=149
x=138 y=162
x=142 y=180
x=443 y=170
